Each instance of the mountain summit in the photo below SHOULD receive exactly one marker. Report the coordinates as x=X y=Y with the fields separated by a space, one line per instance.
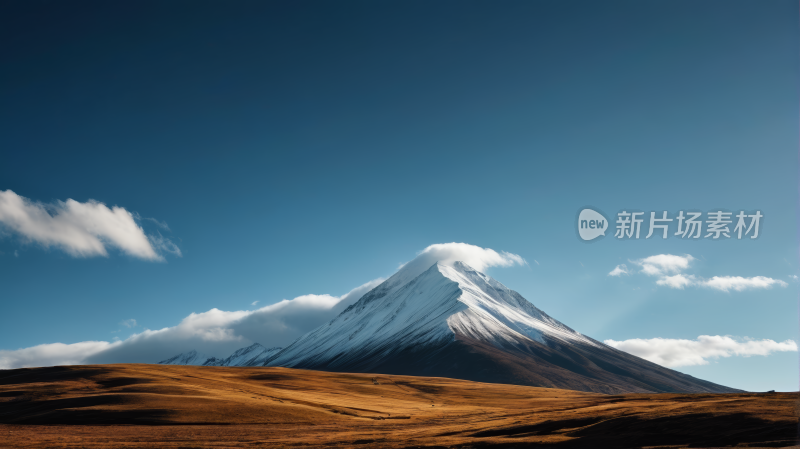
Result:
x=453 y=321
x=437 y=307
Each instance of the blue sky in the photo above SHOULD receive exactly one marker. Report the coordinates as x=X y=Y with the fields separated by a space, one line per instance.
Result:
x=296 y=148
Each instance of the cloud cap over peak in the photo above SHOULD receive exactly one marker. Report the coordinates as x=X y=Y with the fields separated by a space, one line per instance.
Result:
x=450 y=253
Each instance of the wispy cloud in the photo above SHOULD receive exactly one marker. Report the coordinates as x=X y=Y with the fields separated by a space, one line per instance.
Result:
x=738 y=283
x=128 y=323
x=670 y=269
x=675 y=353
x=80 y=229
x=662 y=264
x=160 y=224
x=164 y=245
x=254 y=303
x=619 y=270
x=678 y=281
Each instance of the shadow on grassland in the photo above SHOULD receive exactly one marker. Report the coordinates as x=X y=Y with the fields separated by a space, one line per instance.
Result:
x=692 y=430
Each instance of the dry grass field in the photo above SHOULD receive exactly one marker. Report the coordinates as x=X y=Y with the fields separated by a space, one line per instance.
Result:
x=187 y=406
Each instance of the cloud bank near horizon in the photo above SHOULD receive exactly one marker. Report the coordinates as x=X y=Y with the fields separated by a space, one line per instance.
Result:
x=81 y=229
x=218 y=333
x=215 y=332
x=670 y=272
x=674 y=353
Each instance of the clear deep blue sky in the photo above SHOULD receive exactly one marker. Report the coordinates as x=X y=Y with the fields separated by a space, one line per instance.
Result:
x=311 y=146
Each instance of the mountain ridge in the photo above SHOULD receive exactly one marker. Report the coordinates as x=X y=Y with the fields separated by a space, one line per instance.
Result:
x=190 y=358
x=253 y=355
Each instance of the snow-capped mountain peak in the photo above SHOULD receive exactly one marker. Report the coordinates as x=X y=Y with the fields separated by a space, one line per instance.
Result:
x=439 y=303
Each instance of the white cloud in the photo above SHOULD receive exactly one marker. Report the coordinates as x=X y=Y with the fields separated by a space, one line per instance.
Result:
x=449 y=253
x=678 y=281
x=793 y=276
x=662 y=264
x=81 y=229
x=722 y=283
x=474 y=256
x=52 y=354
x=254 y=303
x=619 y=270
x=674 y=353
x=738 y=283
x=129 y=323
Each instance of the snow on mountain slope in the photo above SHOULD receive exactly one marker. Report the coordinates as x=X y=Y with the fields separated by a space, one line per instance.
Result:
x=191 y=358
x=252 y=355
x=430 y=308
x=495 y=310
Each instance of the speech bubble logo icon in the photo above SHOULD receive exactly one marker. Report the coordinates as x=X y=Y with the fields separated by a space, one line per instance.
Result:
x=591 y=224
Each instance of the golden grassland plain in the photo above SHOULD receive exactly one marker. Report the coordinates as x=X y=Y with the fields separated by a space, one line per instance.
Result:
x=135 y=405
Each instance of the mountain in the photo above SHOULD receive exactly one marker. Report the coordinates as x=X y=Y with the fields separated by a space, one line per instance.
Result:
x=450 y=320
x=253 y=355
x=191 y=358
